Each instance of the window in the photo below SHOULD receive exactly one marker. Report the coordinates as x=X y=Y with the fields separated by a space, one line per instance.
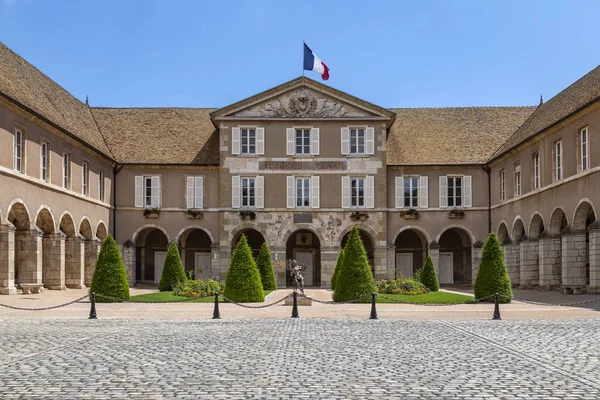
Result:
x=302 y=192
x=195 y=191
x=302 y=141
x=411 y=192
x=18 y=150
x=454 y=191
x=101 y=185
x=517 y=179
x=558 y=160
x=44 y=160
x=248 y=192
x=248 y=137
x=357 y=141
x=66 y=170
x=147 y=191
x=357 y=192
x=86 y=179
x=502 y=185
x=536 y=170
x=585 y=151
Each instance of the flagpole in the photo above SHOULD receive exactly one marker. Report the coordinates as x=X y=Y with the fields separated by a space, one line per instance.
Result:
x=302 y=59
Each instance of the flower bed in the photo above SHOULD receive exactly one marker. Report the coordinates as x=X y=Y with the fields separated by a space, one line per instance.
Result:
x=199 y=288
x=401 y=286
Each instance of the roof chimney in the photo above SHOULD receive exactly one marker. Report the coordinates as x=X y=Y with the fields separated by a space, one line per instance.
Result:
x=87 y=103
x=541 y=100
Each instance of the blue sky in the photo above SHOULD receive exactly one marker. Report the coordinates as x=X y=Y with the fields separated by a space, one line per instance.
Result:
x=392 y=53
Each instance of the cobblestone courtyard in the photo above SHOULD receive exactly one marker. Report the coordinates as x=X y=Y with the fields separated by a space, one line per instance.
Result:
x=305 y=358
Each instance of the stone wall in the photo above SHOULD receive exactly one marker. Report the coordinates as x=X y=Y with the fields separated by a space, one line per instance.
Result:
x=512 y=256
x=74 y=262
x=53 y=258
x=549 y=261
x=7 y=259
x=574 y=254
x=529 y=275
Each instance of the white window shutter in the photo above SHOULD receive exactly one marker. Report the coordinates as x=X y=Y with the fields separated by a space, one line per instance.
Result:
x=345 y=140
x=314 y=141
x=399 y=191
x=345 y=192
x=155 y=201
x=139 y=191
x=314 y=192
x=290 y=191
x=370 y=149
x=290 y=142
x=260 y=192
x=443 y=191
x=235 y=140
x=468 y=191
x=199 y=193
x=370 y=192
x=235 y=191
x=423 y=192
x=190 y=192
x=260 y=140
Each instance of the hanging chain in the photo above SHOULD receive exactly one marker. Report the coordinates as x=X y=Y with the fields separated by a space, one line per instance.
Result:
x=44 y=308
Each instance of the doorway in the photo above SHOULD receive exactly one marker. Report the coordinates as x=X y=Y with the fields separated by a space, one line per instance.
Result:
x=446 y=268
x=159 y=264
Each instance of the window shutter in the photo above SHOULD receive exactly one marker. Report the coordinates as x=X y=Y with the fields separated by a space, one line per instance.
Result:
x=290 y=141
x=345 y=192
x=155 y=201
x=314 y=192
x=423 y=192
x=370 y=192
x=314 y=141
x=139 y=191
x=468 y=200
x=290 y=190
x=235 y=191
x=190 y=192
x=199 y=195
x=235 y=140
x=345 y=140
x=370 y=149
x=260 y=140
x=260 y=192
x=443 y=191
x=399 y=191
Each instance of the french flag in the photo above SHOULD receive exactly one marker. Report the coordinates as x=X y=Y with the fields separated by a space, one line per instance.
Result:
x=313 y=63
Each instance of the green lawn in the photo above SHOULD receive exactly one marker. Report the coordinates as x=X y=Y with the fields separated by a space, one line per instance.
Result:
x=431 y=297
x=165 y=297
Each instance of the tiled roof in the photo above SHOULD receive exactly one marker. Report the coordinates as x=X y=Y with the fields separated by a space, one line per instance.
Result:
x=462 y=135
x=579 y=94
x=27 y=85
x=159 y=135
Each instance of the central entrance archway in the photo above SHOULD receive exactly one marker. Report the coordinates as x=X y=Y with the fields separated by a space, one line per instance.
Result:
x=304 y=246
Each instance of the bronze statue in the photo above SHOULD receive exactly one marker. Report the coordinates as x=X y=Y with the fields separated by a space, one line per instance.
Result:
x=297 y=272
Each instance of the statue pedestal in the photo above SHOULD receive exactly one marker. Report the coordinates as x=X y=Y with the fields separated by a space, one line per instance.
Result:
x=302 y=301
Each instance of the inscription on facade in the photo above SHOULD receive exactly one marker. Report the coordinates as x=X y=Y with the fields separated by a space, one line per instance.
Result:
x=304 y=165
x=303 y=218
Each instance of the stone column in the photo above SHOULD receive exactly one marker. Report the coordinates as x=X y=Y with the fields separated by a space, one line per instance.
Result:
x=53 y=258
x=549 y=249
x=529 y=271
x=29 y=256
x=225 y=260
x=128 y=252
x=574 y=254
x=92 y=249
x=434 y=252
x=279 y=265
x=594 y=260
x=476 y=255
x=215 y=265
x=512 y=255
x=381 y=267
x=74 y=262
x=329 y=256
x=391 y=261
x=7 y=259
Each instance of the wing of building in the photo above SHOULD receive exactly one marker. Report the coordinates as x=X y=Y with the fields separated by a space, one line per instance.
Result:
x=296 y=166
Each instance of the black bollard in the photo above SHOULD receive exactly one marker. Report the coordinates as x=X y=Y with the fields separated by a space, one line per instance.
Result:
x=373 y=309
x=216 y=313
x=496 y=307
x=93 y=307
x=295 y=306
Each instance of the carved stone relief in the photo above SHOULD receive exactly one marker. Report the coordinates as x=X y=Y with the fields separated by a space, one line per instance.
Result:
x=332 y=227
x=275 y=231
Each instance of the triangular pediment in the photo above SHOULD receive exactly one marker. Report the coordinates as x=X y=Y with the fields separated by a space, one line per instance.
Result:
x=303 y=98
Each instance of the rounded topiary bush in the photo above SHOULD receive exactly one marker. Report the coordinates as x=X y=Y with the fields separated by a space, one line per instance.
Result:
x=354 y=279
x=110 y=277
x=173 y=272
x=338 y=267
x=492 y=276
x=265 y=267
x=243 y=282
x=428 y=276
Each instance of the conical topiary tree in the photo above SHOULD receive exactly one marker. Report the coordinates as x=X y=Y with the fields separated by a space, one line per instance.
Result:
x=173 y=272
x=428 y=276
x=110 y=277
x=265 y=267
x=338 y=267
x=243 y=282
x=492 y=276
x=354 y=279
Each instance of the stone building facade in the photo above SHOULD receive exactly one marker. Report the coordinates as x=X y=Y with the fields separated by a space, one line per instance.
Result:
x=296 y=166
